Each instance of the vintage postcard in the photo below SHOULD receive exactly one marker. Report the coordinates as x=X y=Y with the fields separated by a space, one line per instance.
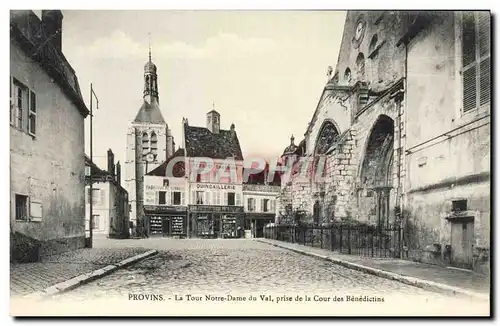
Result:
x=250 y=163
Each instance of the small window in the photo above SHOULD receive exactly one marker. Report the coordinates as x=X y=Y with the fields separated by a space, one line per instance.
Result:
x=231 y=198
x=265 y=205
x=145 y=143
x=176 y=198
x=459 y=205
x=347 y=75
x=32 y=115
x=154 y=143
x=21 y=208
x=162 y=198
x=95 y=222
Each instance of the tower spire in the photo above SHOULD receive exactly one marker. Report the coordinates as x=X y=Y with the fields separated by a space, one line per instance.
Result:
x=149 y=35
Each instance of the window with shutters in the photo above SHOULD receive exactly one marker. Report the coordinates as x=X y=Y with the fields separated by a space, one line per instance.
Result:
x=238 y=199
x=21 y=207
x=476 y=90
x=23 y=107
x=32 y=115
x=199 y=197
x=162 y=198
x=251 y=204
x=265 y=205
x=176 y=198
x=231 y=199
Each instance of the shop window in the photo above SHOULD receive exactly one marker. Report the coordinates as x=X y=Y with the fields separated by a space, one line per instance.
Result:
x=21 y=208
x=231 y=198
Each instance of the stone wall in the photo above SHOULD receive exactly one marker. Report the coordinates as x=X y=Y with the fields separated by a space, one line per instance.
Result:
x=49 y=167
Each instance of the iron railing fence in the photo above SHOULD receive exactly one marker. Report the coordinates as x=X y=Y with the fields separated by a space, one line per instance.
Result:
x=345 y=238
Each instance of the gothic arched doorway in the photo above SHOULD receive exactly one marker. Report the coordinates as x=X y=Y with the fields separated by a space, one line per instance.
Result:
x=376 y=197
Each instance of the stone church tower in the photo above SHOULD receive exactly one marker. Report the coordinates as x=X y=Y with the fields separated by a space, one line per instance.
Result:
x=149 y=143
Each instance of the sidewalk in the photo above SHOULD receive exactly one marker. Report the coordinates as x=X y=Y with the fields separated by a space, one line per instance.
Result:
x=26 y=278
x=418 y=274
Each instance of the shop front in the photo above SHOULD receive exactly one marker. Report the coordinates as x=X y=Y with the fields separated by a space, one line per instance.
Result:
x=211 y=221
x=166 y=221
x=256 y=222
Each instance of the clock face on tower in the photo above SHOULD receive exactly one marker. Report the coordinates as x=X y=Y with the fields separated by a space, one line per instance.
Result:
x=150 y=157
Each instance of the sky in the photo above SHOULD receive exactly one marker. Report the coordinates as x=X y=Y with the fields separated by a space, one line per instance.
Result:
x=264 y=71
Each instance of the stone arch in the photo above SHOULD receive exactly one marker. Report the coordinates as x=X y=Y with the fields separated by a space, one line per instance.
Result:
x=327 y=135
x=154 y=143
x=375 y=195
x=347 y=75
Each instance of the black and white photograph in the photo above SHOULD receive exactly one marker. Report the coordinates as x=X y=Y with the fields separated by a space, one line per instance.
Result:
x=250 y=163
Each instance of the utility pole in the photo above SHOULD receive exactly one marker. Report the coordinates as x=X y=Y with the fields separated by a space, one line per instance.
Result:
x=91 y=196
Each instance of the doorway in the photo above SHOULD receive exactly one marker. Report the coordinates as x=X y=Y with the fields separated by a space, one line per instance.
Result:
x=462 y=241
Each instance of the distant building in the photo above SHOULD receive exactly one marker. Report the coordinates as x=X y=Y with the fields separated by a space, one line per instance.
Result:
x=148 y=136
x=259 y=201
x=215 y=204
x=47 y=112
x=166 y=197
x=110 y=206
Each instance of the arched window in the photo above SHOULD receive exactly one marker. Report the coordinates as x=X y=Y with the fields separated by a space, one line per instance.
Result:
x=347 y=75
x=373 y=44
x=145 y=143
x=327 y=136
x=360 y=65
x=154 y=143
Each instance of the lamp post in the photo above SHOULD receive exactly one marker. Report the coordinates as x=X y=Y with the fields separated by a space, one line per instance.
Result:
x=92 y=94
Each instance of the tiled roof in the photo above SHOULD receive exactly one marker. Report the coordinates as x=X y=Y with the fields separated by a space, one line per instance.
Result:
x=178 y=168
x=149 y=113
x=96 y=171
x=27 y=29
x=200 y=142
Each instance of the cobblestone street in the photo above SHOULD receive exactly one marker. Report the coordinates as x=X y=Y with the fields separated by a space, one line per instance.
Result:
x=241 y=268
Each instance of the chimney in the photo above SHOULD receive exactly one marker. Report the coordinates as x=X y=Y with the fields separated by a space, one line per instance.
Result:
x=111 y=162
x=170 y=143
x=118 y=173
x=213 y=121
x=232 y=127
x=52 y=24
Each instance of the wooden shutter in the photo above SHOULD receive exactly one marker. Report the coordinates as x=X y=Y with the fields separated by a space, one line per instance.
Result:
x=32 y=114
x=262 y=205
x=469 y=72
x=226 y=194
x=484 y=30
x=183 y=199
x=238 y=199
x=207 y=198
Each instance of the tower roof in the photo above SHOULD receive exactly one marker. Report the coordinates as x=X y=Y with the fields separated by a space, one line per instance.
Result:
x=149 y=113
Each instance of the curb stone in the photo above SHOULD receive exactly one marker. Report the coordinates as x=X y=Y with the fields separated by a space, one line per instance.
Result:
x=88 y=277
x=413 y=281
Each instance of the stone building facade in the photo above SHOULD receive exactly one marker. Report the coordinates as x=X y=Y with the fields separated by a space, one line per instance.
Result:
x=149 y=143
x=401 y=134
x=47 y=112
x=110 y=206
